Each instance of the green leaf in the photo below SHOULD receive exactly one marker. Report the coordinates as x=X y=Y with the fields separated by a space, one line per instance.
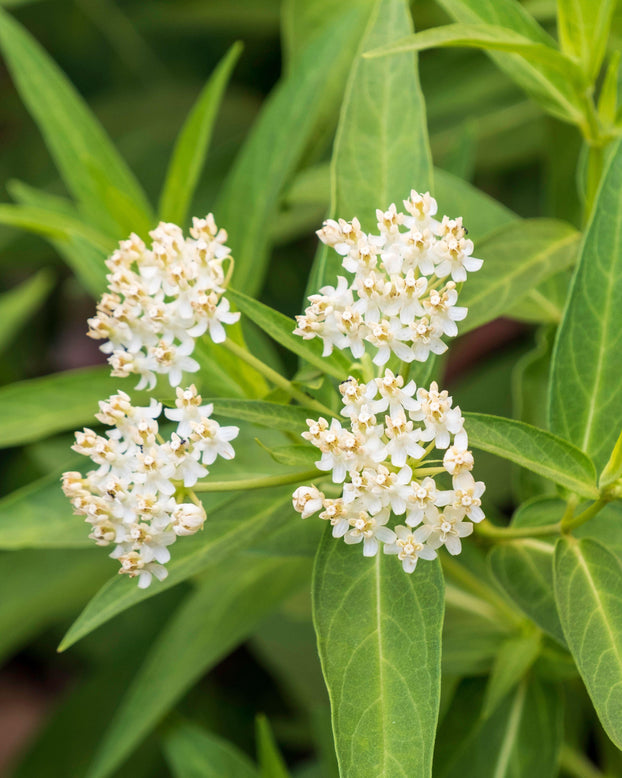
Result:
x=534 y=449
x=39 y=587
x=548 y=86
x=225 y=608
x=81 y=150
x=613 y=469
x=588 y=592
x=84 y=257
x=40 y=516
x=290 y=418
x=18 y=304
x=585 y=402
x=514 y=659
x=481 y=213
x=485 y=36
x=52 y=224
x=192 y=143
x=524 y=570
x=379 y=639
x=33 y=409
x=281 y=328
x=583 y=29
x=517 y=258
x=269 y=157
x=271 y=763
x=193 y=753
x=545 y=303
x=234 y=527
x=521 y=739
x=295 y=455
x=381 y=149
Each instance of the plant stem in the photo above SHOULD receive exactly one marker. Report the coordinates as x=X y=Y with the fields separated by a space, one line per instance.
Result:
x=474 y=584
x=572 y=522
x=261 y=482
x=277 y=379
x=488 y=530
x=429 y=471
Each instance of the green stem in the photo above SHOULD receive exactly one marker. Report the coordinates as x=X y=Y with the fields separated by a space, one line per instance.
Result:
x=488 y=530
x=261 y=482
x=572 y=522
x=277 y=379
x=405 y=371
x=474 y=584
x=576 y=764
x=429 y=471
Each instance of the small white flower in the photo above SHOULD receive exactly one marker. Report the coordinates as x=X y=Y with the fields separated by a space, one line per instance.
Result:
x=188 y=518
x=446 y=529
x=370 y=530
x=307 y=500
x=409 y=547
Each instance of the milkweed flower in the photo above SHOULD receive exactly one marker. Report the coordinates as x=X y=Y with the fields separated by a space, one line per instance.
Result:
x=135 y=499
x=383 y=462
x=160 y=299
x=403 y=296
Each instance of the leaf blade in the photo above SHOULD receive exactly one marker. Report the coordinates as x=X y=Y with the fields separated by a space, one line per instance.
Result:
x=379 y=633
x=587 y=575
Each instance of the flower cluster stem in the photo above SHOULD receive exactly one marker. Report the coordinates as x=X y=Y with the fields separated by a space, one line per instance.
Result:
x=277 y=379
x=572 y=522
x=261 y=482
x=488 y=530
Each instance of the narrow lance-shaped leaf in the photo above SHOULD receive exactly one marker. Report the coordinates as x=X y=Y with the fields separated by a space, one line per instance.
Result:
x=534 y=449
x=220 y=614
x=583 y=28
x=281 y=328
x=77 y=248
x=585 y=403
x=514 y=659
x=269 y=157
x=383 y=100
x=193 y=753
x=193 y=141
x=379 y=639
x=552 y=89
x=588 y=591
x=517 y=258
x=18 y=304
x=485 y=36
x=521 y=739
x=249 y=516
x=81 y=149
x=271 y=763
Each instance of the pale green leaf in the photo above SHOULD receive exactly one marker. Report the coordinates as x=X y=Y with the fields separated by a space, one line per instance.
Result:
x=379 y=636
x=193 y=753
x=225 y=608
x=19 y=304
x=235 y=526
x=588 y=592
x=608 y=97
x=192 y=143
x=534 y=449
x=517 y=258
x=290 y=418
x=85 y=258
x=250 y=196
x=583 y=28
x=295 y=455
x=524 y=570
x=73 y=135
x=545 y=303
x=33 y=409
x=271 y=763
x=585 y=403
x=514 y=659
x=613 y=469
x=40 y=516
x=281 y=328
x=480 y=212
x=39 y=587
x=381 y=149
x=521 y=739
x=486 y=36
x=546 y=85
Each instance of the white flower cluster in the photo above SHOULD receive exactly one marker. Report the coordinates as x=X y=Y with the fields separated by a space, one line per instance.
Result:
x=402 y=299
x=382 y=463
x=161 y=299
x=131 y=499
